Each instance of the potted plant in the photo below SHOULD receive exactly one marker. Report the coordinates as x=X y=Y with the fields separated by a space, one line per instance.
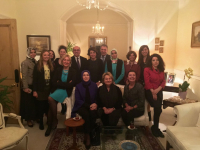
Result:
x=183 y=87
x=4 y=95
x=70 y=46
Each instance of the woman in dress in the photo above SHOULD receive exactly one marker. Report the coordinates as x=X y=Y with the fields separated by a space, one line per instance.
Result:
x=27 y=110
x=131 y=65
x=154 y=78
x=95 y=66
x=42 y=75
x=109 y=101
x=85 y=104
x=62 y=85
x=116 y=67
x=144 y=54
x=62 y=50
x=133 y=100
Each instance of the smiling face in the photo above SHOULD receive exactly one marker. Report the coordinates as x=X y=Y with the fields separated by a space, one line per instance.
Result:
x=51 y=54
x=108 y=80
x=131 y=77
x=66 y=62
x=155 y=62
x=93 y=54
x=76 y=51
x=62 y=52
x=86 y=76
x=145 y=52
x=32 y=54
x=132 y=57
x=103 y=50
x=45 y=56
x=114 y=54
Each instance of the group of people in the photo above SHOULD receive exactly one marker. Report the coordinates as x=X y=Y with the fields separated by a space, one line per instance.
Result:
x=49 y=81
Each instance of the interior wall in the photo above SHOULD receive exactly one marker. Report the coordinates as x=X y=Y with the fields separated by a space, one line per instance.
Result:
x=152 y=18
x=7 y=9
x=79 y=28
x=186 y=56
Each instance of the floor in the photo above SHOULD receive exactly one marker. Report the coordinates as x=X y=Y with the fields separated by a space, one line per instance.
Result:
x=37 y=140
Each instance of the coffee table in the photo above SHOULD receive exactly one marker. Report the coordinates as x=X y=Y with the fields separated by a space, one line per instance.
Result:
x=111 y=137
x=73 y=123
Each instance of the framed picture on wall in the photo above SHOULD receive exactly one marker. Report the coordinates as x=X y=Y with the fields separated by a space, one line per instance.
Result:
x=157 y=40
x=195 y=39
x=156 y=47
x=161 y=49
x=40 y=42
x=161 y=42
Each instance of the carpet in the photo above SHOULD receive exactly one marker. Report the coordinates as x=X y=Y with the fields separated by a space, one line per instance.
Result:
x=59 y=141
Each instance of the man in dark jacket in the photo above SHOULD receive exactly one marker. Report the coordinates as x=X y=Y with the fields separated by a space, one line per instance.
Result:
x=79 y=63
x=104 y=56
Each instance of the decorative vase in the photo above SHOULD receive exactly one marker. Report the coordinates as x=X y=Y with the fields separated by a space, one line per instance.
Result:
x=182 y=95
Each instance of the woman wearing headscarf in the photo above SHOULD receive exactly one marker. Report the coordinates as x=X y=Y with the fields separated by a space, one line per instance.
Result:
x=116 y=67
x=27 y=109
x=85 y=104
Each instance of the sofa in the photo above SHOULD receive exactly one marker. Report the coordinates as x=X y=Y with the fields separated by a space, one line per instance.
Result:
x=185 y=135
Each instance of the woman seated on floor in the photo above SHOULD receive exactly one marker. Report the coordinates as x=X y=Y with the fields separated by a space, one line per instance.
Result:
x=85 y=104
x=109 y=101
x=62 y=86
x=133 y=100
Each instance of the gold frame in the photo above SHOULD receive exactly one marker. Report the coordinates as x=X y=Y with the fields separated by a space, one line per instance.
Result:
x=96 y=37
x=195 y=41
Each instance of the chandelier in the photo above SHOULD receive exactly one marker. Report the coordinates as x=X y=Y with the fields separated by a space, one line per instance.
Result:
x=89 y=3
x=98 y=29
x=99 y=40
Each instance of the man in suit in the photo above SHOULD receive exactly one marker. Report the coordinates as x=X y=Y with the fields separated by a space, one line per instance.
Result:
x=79 y=63
x=104 y=56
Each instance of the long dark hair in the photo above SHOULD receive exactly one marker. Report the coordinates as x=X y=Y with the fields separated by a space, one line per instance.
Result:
x=161 y=66
x=140 y=60
x=52 y=59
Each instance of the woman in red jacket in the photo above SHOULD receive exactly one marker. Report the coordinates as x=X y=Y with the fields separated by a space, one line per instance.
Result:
x=154 y=83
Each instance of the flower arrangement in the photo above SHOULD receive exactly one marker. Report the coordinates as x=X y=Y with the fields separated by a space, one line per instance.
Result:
x=70 y=46
x=185 y=85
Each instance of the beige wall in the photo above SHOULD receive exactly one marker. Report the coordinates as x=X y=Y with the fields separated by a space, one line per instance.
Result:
x=185 y=55
x=7 y=9
x=150 y=19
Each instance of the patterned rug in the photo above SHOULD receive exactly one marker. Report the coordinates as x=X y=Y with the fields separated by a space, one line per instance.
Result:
x=59 y=141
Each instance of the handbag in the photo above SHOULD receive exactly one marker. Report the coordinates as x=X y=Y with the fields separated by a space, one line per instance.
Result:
x=95 y=135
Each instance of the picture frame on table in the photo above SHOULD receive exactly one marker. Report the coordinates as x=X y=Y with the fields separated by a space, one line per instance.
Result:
x=171 y=78
x=40 y=42
x=195 y=37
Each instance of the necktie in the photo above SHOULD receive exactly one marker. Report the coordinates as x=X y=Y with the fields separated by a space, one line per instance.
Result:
x=78 y=63
x=103 y=58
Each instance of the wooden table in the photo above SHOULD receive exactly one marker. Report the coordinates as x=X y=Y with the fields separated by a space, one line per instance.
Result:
x=72 y=123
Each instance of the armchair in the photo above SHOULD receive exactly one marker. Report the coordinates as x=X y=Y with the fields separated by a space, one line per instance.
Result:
x=11 y=136
x=185 y=134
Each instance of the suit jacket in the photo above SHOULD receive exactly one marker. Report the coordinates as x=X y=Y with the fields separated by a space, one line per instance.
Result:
x=84 y=66
x=38 y=79
x=57 y=82
x=107 y=58
x=27 y=67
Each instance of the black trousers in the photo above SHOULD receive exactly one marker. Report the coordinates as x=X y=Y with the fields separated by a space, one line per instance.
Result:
x=156 y=104
x=43 y=107
x=128 y=117
x=89 y=116
x=112 y=118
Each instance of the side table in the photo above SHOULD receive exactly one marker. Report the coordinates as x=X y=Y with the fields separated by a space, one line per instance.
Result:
x=73 y=123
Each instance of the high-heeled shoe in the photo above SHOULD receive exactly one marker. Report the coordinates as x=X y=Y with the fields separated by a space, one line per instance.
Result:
x=48 y=131
x=30 y=124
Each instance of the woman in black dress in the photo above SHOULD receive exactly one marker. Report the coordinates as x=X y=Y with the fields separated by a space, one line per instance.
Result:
x=95 y=66
x=109 y=101
x=27 y=109
x=42 y=75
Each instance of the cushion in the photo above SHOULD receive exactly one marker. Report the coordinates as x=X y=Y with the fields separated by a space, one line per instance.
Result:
x=185 y=137
x=11 y=135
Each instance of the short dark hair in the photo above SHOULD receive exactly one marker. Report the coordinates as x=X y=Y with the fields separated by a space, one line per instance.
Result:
x=92 y=49
x=62 y=47
x=132 y=71
x=129 y=54
x=161 y=66
x=104 y=45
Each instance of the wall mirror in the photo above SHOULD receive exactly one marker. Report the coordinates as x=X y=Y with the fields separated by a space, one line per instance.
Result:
x=96 y=41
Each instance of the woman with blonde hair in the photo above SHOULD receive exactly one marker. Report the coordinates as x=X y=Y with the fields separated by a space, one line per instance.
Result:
x=109 y=101
x=42 y=74
x=62 y=85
